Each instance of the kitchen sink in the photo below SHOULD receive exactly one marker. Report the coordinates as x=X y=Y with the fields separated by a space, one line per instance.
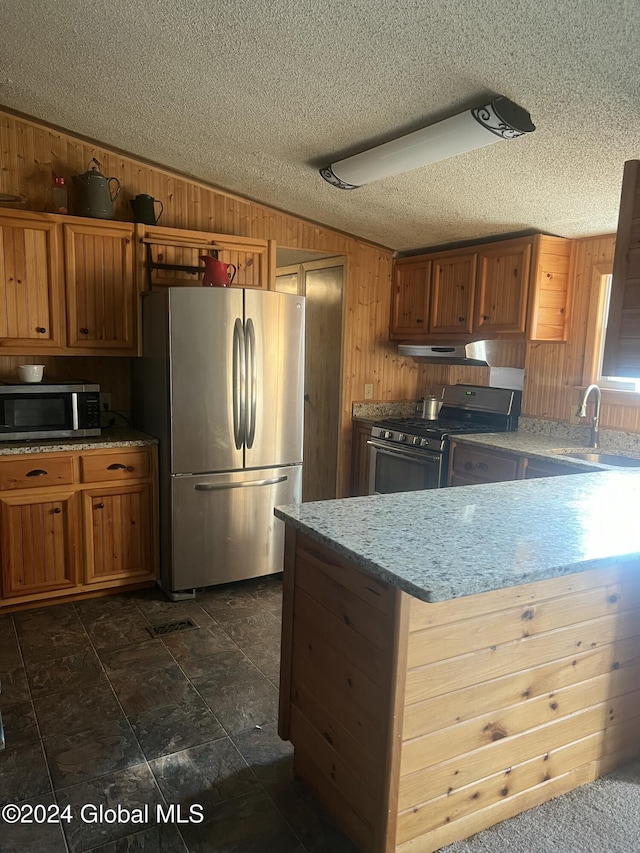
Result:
x=607 y=459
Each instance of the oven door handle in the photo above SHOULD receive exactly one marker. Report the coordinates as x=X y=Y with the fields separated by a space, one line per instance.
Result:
x=407 y=453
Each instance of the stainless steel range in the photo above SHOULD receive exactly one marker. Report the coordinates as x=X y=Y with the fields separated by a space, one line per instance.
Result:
x=408 y=454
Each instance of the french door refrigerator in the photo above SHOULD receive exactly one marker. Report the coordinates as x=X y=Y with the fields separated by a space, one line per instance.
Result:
x=220 y=384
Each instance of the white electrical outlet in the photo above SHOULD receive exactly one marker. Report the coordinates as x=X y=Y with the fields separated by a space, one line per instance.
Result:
x=368 y=391
x=105 y=401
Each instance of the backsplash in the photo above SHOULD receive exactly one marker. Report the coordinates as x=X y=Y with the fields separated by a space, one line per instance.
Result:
x=372 y=411
x=610 y=439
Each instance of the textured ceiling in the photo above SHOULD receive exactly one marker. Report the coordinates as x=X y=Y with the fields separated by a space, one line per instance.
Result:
x=255 y=95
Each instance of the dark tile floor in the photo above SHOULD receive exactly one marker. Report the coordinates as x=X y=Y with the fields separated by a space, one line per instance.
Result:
x=98 y=713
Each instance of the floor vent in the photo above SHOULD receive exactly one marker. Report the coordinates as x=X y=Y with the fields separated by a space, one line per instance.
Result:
x=170 y=627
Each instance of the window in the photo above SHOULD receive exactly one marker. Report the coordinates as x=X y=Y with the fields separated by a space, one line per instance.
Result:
x=596 y=330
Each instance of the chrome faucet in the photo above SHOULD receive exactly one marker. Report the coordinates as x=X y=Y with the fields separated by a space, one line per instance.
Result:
x=582 y=413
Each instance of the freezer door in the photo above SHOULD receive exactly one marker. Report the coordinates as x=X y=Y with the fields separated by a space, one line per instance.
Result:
x=274 y=344
x=207 y=374
x=224 y=528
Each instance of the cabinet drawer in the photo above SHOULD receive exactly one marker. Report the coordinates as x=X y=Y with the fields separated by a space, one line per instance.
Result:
x=22 y=473
x=104 y=468
x=486 y=466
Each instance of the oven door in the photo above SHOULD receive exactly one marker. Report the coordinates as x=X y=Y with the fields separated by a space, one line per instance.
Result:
x=394 y=469
x=38 y=415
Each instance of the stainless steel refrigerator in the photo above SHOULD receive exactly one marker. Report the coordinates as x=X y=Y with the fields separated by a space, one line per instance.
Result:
x=220 y=384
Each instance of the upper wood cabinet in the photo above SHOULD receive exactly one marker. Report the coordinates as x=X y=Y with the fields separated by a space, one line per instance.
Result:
x=100 y=287
x=502 y=288
x=508 y=289
x=410 y=304
x=452 y=294
x=31 y=319
x=69 y=285
x=176 y=253
x=622 y=342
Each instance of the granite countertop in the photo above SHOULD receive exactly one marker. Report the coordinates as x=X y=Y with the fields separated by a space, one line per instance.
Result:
x=115 y=436
x=441 y=544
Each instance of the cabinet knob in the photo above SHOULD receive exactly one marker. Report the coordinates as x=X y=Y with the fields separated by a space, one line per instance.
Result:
x=418 y=320
x=41 y=330
x=485 y=316
x=57 y=510
x=468 y=466
x=84 y=331
x=461 y=319
x=100 y=506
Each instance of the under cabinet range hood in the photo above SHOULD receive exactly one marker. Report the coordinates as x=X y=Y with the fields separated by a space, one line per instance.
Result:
x=474 y=354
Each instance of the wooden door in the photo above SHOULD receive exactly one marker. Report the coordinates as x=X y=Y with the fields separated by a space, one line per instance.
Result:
x=323 y=284
x=101 y=293
x=30 y=284
x=452 y=290
x=502 y=288
x=410 y=304
x=38 y=546
x=118 y=532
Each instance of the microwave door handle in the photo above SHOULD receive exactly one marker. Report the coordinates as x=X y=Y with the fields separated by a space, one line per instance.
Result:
x=252 y=383
x=238 y=384
x=74 y=411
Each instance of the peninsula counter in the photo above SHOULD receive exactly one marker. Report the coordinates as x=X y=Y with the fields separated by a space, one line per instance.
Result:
x=453 y=657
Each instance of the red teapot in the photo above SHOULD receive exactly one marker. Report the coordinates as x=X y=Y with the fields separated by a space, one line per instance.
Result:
x=217 y=273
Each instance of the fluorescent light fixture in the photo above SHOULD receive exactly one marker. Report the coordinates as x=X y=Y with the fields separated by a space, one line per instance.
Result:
x=499 y=119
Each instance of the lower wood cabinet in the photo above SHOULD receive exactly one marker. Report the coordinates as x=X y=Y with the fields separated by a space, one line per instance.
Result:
x=360 y=458
x=470 y=465
x=100 y=531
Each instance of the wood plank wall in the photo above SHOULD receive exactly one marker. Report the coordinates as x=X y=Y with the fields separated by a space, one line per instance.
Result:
x=513 y=697
x=32 y=152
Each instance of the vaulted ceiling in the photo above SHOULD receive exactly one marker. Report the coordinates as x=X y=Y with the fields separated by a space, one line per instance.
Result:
x=255 y=95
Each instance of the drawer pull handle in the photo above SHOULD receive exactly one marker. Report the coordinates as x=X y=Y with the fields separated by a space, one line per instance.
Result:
x=57 y=510
x=99 y=506
x=482 y=465
x=41 y=330
x=36 y=472
x=118 y=466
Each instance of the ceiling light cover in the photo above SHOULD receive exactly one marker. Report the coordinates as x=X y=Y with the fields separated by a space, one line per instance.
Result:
x=500 y=119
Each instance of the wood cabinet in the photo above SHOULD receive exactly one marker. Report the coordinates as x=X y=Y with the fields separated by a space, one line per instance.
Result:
x=101 y=294
x=32 y=319
x=69 y=285
x=508 y=289
x=360 y=457
x=75 y=522
x=469 y=465
x=170 y=256
x=410 y=304
x=479 y=465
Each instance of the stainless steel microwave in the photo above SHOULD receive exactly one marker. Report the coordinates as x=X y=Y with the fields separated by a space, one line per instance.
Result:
x=49 y=410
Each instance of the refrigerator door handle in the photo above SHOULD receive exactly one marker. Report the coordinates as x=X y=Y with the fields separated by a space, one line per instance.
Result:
x=214 y=487
x=239 y=384
x=252 y=389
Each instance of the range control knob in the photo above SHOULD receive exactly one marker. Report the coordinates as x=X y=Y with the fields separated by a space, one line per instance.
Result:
x=387 y=434
x=402 y=436
x=424 y=442
x=416 y=440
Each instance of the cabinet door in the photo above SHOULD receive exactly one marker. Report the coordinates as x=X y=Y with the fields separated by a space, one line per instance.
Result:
x=38 y=545
x=118 y=522
x=410 y=306
x=360 y=459
x=101 y=293
x=475 y=464
x=30 y=285
x=502 y=288
x=452 y=287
